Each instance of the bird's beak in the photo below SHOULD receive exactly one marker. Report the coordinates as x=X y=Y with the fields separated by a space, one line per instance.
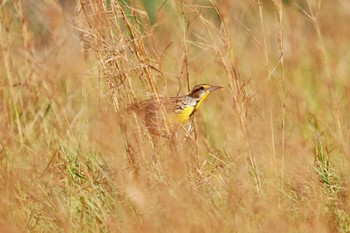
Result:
x=213 y=88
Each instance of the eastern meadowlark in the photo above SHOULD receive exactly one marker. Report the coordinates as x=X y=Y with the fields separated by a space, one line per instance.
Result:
x=161 y=113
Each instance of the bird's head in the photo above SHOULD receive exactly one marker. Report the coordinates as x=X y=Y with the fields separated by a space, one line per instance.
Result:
x=201 y=92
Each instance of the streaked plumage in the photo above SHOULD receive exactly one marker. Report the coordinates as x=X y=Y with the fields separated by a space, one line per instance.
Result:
x=161 y=115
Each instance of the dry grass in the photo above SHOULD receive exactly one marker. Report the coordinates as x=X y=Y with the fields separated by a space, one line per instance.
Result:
x=270 y=151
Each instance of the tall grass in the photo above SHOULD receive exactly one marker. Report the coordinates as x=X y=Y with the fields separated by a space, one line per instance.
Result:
x=268 y=153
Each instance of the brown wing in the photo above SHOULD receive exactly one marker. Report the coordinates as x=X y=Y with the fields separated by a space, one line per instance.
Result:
x=156 y=114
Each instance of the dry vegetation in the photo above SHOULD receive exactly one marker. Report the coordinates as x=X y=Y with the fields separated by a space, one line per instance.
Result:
x=270 y=152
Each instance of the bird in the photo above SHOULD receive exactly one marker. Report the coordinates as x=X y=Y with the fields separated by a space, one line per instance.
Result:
x=161 y=113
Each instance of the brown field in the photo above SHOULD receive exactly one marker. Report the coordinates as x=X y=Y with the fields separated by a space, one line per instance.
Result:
x=269 y=152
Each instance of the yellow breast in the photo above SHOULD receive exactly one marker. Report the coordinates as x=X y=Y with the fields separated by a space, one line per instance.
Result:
x=185 y=114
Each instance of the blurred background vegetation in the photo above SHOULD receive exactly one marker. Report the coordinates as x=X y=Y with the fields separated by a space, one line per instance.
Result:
x=270 y=151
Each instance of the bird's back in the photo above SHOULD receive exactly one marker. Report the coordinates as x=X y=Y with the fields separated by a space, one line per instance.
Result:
x=158 y=114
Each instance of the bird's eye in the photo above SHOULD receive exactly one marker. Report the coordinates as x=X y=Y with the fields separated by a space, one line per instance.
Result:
x=202 y=88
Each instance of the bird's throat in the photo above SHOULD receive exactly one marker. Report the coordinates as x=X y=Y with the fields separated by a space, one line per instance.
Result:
x=202 y=99
x=187 y=112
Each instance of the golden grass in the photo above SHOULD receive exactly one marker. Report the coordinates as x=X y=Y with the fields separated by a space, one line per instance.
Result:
x=269 y=153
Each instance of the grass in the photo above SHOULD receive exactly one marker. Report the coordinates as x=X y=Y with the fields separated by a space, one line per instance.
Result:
x=269 y=153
